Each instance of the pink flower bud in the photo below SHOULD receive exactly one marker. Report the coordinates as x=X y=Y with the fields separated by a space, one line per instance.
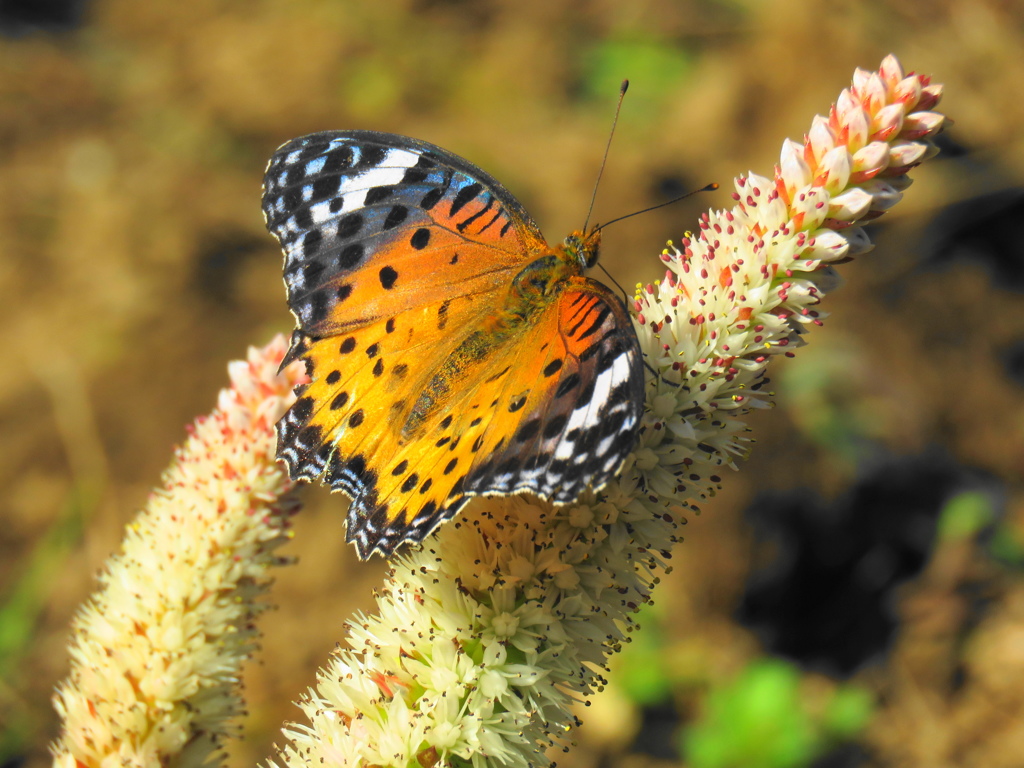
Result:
x=849 y=205
x=887 y=122
x=868 y=161
x=920 y=124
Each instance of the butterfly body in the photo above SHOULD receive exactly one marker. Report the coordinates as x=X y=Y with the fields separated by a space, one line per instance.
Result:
x=451 y=351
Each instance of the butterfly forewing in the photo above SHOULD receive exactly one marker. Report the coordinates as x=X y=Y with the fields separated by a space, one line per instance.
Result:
x=374 y=223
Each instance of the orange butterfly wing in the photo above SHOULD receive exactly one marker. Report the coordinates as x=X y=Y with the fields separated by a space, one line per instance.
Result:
x=373 y=224
x=430 y=380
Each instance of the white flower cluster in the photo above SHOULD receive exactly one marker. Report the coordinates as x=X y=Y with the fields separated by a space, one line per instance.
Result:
x=486 y=635
x=483 y=638
x=746 y=289
x=156 y=653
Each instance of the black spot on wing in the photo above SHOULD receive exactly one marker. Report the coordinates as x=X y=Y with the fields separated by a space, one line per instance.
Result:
x=370 y=157
x=432 y=198
x=555 y=426
x=338 y=160
x=311 y=243
x=388 y=276
x=349 y=225
x=350 y=256
x=312 y=270
x=316 y=308
x=302 y=409
x=414 y=175
x=420 y=238
x=324 y=187
x=375 y=195
x=528 y=431
x=304 y=218
x=396 y=216
x=465 y=223
x=463 y=196
x=594 y=323
x=568 y=384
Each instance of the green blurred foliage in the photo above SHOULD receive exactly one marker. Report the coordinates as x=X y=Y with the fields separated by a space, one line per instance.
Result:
x=1007 y=545
x=658 y=68
x=761 y=721
x=965 y=515
x=848 y=712
x=761 y=718
x=641 y=667
x=820 y=384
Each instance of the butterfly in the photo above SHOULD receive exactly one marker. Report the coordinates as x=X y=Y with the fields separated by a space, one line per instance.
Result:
x=451 y=351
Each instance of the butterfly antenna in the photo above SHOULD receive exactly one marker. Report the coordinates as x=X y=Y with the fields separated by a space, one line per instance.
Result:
x=625 y=296
x=615 y=121
x=709 y=188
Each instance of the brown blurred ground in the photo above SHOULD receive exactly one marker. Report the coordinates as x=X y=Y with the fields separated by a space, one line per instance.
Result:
x=135 y=265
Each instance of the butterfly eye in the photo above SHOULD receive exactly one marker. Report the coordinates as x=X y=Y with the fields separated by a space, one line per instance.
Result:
x=583 y=249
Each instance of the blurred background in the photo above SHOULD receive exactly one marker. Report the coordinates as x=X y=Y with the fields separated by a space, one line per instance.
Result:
x=854 y=597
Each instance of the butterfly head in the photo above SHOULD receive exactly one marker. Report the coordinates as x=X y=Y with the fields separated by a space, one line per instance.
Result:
x=583 y=249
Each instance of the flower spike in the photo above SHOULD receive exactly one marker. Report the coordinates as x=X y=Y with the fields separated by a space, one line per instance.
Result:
x=483 y=639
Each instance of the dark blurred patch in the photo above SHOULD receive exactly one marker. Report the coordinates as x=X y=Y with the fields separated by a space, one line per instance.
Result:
x=219 y=261
x=984 y=229
x=21 y=17
x=824 y=594
x=1013 y=363
x=478 y=15
x=658 y=735
x=949 y=147
x=668 y=186
x=849 y=755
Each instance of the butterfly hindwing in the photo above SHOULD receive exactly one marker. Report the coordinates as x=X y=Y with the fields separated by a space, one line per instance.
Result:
x=551 y=413
x=577 y=421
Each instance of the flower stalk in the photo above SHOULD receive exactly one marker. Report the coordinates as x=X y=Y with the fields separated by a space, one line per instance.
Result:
x=156 y=653
x=485 y=636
